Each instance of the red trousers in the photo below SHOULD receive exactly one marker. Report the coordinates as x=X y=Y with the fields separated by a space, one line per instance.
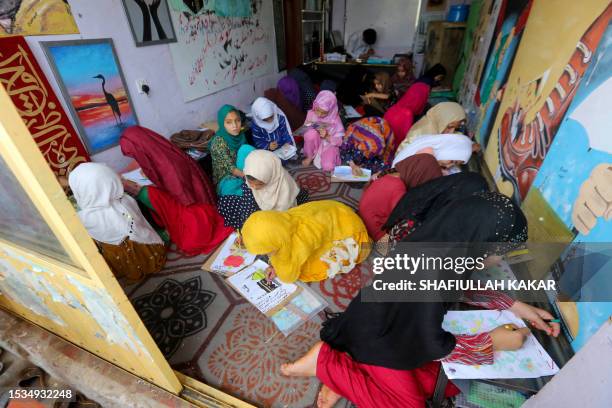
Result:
x=373 y=386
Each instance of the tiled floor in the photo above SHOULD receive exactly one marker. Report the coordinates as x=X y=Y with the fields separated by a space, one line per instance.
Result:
x=210 y=333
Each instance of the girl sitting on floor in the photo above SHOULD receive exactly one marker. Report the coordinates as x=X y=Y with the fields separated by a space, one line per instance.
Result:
x=368 y=143
x=310 y=242
x=403 y=77
x=271 y=129
x=323 y=138
x=381 y=96
x=168 y=167
x=287 y=97
x=387 y=354
x=380 y=197
x=445 y=117
x=227 y=148
x=268 y=186
x=449 y=150
x=129 y=245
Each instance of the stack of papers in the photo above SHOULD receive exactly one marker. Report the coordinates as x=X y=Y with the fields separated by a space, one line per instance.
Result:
x=351 y=112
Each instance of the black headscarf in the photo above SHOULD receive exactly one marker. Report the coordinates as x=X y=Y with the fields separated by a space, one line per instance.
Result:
x=402 y=335
x=431 y=73
x=429 y=197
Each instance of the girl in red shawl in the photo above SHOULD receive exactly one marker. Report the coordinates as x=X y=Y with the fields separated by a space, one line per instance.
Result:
x=181 y=200
x=381 y=196
x=168 y=167
x=402 y=115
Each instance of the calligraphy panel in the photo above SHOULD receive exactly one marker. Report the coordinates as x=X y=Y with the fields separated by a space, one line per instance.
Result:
x=39 y=107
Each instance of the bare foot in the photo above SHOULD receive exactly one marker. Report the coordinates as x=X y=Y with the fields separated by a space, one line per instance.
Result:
x=306 y=366
x=307 y=161
x=327 y=398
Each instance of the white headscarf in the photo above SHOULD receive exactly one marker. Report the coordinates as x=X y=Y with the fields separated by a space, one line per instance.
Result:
x=264 y=108
x=445 y=146
x=280 y=191
x=108 y=214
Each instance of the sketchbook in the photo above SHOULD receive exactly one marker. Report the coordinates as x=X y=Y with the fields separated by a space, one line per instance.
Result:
x=531 y=361
x=229 y=258
x=267 y=296
x=137 y=177
x=345 y=174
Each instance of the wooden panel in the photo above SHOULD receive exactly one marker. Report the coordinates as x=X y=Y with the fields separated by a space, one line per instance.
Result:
x=81 y=300
x=444 y=41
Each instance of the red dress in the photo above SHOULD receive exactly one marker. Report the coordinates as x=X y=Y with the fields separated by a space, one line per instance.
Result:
x=370 y=386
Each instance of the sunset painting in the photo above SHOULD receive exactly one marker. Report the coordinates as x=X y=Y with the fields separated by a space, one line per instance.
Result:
x=92 y=83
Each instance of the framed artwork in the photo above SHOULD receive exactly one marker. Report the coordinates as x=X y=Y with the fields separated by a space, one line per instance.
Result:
x=150 y=22
x=93 y=85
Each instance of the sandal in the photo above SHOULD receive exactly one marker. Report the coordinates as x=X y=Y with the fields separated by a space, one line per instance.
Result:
x=32 y=377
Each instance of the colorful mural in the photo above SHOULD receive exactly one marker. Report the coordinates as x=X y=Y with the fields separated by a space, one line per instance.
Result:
x=511 y=23
x=547 y=71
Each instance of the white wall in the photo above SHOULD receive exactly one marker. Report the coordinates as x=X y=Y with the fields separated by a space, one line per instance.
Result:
x=394 y=21
x=163 y=110
x=585 y=381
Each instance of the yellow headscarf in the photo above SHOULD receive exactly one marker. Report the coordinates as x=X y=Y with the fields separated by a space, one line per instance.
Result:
x=435 y=121
x=301 y=235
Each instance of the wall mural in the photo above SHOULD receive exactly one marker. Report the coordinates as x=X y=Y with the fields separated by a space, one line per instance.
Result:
x=511 y=22
x=39 y=107
x=36 y=17
x=220 y=44
x=150 y=22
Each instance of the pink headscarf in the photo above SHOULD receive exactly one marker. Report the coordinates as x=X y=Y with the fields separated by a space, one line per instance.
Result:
x=326 y=100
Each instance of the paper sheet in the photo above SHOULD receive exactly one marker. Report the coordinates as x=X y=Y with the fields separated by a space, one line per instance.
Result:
x=266 y=296
x=299 y=310
x=351 y=112
x=137 y=177
x=344 y=173
x=231 y=257
x=531 y=361
x=286 y=152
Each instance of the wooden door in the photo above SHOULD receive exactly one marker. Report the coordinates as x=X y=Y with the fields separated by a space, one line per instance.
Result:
x=51 y=272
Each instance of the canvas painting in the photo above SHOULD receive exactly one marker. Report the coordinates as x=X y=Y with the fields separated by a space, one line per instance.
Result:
x=36 y=17
x=92 y=83
x=150 y=21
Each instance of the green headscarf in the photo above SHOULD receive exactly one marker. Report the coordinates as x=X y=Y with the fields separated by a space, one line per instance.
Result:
x=233 y=142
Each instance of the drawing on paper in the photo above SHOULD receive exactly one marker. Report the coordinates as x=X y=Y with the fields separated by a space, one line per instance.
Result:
x=251 y=284
x=530 y=361
x=232 y=257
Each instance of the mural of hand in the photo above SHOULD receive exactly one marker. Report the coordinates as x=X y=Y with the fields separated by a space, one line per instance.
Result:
x=594 y=199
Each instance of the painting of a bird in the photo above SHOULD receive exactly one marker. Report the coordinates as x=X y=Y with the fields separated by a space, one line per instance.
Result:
x=110 y=100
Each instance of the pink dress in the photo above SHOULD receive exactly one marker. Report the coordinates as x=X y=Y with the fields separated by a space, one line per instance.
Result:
x=401 y=115
x=325 y=152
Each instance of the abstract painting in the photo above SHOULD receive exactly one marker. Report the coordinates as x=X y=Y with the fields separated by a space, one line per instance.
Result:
x=220 y=44
x=92 y=83
x=150 y=21
x=36 y=17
